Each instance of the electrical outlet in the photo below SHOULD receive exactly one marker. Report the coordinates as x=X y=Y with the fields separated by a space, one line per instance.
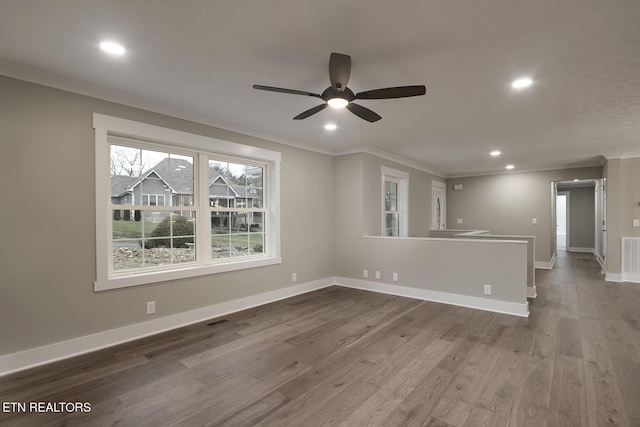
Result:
x=534 y=221
x=636 y=222
x=365 y=273
x=459 y=220
x=487 y=289
x=151 y=307
x=395 y=277
x=294 y=277
x=377 y=275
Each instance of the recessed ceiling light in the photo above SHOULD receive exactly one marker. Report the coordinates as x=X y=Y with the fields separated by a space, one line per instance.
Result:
x=495 y=153
x=509 y=167
x=112 y=48
x=337 y=102
x=522 y=83
x=330 y=126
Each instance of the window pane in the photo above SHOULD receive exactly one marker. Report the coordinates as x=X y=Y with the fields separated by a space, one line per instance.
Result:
x=237 y=174
x=256 y=221
x=255 y=176
x=238 y=222
x=239 y=244
x=220 y=246
x=390 y=196
x=391 y=224
x=125 y=161
x=125 y=228
x=218 y=168
x=255 y=197
x=127 y=254
x=178 y=173
x=256 y=243
x=220 y=222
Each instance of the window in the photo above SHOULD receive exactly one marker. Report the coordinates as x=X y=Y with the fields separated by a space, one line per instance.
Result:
x=153 y=199
x=171 y=205
x=395 y=185
x=391 y=207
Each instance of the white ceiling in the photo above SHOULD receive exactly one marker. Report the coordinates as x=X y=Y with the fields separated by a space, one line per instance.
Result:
x=199 y=59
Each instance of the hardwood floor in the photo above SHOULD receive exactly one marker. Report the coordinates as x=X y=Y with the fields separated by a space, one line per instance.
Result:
x=344 y=357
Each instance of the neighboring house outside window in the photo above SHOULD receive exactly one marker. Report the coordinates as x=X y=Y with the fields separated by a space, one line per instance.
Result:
x=181 y=210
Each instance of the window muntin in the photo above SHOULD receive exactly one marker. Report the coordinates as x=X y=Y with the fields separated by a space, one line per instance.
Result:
x=121 y=198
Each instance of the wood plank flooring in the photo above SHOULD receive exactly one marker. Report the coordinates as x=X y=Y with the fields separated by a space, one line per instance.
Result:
x=345 y=357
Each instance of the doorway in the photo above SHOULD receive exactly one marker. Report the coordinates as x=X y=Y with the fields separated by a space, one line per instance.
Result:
x=562 y=220
x=438 y=205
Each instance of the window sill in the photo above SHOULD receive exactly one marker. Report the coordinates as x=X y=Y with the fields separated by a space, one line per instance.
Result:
x=148 y=277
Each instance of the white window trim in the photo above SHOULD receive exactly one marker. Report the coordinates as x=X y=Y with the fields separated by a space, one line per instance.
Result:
x=403 y=198
x=108 y=125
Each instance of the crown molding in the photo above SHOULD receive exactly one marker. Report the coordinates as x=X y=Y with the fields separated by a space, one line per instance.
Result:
x=391 y=157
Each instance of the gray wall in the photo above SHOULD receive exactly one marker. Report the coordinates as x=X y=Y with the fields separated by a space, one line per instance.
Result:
x=48 y=214
x=582 y=217
x=425 y=264
x=507 y=203
x=419 y=212
x=623 y=205
x=630 y=197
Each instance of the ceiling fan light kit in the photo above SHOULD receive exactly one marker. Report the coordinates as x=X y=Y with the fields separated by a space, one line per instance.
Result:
x=338 y=95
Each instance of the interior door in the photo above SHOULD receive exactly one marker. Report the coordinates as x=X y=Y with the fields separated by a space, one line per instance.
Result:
x=438 y=206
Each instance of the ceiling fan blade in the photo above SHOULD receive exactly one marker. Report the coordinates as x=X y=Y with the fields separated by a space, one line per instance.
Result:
x=289 y=91
x=393 y=92
x=310 y=112
x=339 y=71
x=363 y=113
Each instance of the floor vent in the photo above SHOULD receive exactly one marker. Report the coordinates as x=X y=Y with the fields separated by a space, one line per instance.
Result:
x=631 y=259
x=217 y=322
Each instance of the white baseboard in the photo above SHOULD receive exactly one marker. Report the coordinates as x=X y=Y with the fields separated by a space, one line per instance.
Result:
x=30 y=358
x=613 y=277
x=631 y=277
x=531 y=292
x=14 y=362
x=543 y=265
x=586 y=250
x=487 y=304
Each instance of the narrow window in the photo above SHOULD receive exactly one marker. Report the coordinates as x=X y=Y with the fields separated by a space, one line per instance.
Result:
x=395 y=186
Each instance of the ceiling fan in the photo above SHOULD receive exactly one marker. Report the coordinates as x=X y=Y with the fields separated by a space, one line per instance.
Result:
x=338 y=95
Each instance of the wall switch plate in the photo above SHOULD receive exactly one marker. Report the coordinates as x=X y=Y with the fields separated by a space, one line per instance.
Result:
x=294 y=277
x=151 y=307
x=487 y=289
x=395 y=277
x=365 y=273
x=636 y=222
x=459 y=220
x=377 y=275
x=534 y=221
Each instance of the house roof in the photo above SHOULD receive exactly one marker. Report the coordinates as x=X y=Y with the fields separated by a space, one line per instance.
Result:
x=122 y=184
x=178 y=175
